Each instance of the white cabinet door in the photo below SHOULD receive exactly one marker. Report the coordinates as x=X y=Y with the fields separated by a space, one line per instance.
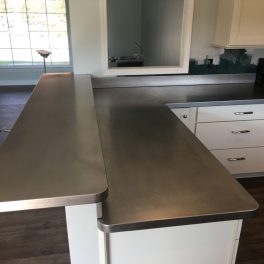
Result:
x=230 y=113
x=237 y=161
x=248 y=23
x=187 y=116
x=210 y=243
x=226 y=135
x=240 y=23
x=234 y=134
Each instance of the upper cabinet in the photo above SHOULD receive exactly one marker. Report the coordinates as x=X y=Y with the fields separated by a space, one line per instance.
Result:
x=144 y=37
x=240 y=23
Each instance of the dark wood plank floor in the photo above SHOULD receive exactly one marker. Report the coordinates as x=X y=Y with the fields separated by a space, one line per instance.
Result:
x=40 y=236
x=12 y=101
x=251 y=246
x=34 y=237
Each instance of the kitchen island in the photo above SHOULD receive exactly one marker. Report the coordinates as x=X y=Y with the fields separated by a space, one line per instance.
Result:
x=160 y=177
x=158 y=174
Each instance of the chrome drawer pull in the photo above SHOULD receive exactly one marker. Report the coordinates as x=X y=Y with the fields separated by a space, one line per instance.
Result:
x=244 y=113
x=6 y=130
x=240 y=132
x=236 y=159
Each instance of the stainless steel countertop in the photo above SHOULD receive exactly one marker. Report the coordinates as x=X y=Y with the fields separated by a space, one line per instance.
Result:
x=159 y=174
x=53 y=156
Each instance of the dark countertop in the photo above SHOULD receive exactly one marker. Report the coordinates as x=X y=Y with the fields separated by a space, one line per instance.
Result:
x=159 y=174
x=46 y=160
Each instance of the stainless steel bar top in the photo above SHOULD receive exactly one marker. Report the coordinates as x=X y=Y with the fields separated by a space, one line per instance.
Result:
x=53 y=156
x=159 y=174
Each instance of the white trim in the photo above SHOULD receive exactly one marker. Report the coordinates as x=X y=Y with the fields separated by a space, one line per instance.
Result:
x=185 y=45
x=18 y=82
x=83 y=233
x=104 y=39
x=26 y=75
x=102 y=244
x=36 y=66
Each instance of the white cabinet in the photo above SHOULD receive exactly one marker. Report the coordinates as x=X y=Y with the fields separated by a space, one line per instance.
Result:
x=83 y=232
x=187 y=116
x=209 y=243
x=240 y=23
x=233 y=134
x=230 y=113
x=237 y=134
x=237 y=161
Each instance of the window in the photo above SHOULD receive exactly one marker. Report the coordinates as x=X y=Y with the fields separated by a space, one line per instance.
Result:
x=30 y=25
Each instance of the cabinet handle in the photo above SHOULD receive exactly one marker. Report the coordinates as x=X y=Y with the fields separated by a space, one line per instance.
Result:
x=236 y=159
x=6 y=130
x=184 y=116
x=240 y=132
x=244 y=113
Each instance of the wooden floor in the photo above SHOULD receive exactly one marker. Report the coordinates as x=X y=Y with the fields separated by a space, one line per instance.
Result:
x=251 y=246
x=12 y=101
x=34 y=237
x=40 y=236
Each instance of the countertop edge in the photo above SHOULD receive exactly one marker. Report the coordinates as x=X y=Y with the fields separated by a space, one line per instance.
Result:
x=215 y=103
x=176 y=222
x=172 y=80
x=51 y=202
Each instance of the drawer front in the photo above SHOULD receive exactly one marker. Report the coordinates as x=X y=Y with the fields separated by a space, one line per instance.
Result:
x=239 y=134
x=237 y=161
x=230 y=113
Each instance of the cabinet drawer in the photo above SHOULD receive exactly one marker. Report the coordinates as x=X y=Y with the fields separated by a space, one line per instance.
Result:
x=230 y=113
x=239 y=134
x=248 y=160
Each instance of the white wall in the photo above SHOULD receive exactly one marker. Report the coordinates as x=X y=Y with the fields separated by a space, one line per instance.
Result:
x=124 y=26
x=85 y=36
x=85 y=30
x=256 y=54
x=26 y=75
x=161 y=31
x=86 y=40
x=204 y=24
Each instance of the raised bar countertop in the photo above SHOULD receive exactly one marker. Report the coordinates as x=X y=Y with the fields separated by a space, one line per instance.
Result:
x=159 y=174
x=53 y=156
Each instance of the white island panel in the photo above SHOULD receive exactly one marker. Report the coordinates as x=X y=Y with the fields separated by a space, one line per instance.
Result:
x=190 y=244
